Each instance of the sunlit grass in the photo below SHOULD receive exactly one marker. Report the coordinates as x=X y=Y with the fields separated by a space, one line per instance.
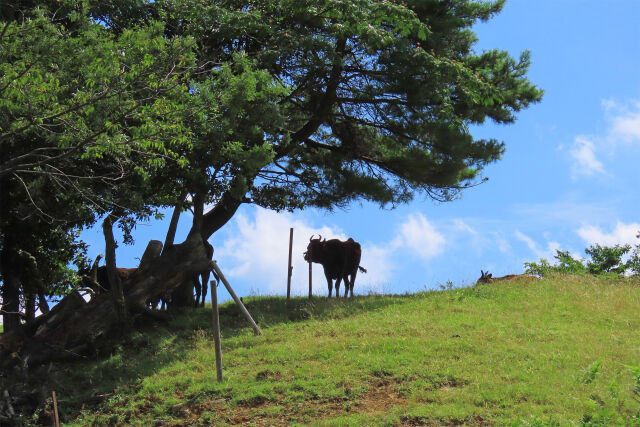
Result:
x=553 y=351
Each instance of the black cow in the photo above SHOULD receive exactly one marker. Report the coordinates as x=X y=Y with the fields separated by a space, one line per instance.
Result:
x=339 y=260
x=201 y=289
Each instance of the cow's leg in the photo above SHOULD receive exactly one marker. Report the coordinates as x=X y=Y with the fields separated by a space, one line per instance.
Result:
x=338 y=280
x=205 y=287
x=353 y=281
x=330 y=286
x=196 y=284
x=346 y=285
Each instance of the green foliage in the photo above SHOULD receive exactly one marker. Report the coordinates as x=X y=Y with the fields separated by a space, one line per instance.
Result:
x=604 y=260
x=88 y=119
x=607 y=259
x=353 y=99
x=589 y=373
x=635 y=370
x=566 y=264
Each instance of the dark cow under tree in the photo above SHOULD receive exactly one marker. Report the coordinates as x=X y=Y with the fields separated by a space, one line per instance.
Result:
x=339 y=260
x=201 y=288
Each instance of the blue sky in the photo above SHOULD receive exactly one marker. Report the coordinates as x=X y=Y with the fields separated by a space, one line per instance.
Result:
x=569 y=177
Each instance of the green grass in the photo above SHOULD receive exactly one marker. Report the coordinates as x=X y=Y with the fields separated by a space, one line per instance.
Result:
x=560 y=351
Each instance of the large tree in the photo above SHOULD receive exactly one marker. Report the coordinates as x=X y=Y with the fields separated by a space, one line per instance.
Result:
x=375 y=99
x=293 y=103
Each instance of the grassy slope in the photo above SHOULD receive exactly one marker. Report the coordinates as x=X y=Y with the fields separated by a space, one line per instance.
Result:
x=551 y=351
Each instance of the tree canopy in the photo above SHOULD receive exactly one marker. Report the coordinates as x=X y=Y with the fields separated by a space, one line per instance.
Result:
x=86 y=115
x=126 y=106
x=335 y=101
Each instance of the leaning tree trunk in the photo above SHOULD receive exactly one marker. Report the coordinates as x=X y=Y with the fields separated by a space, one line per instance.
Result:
x=182 y=296
x=75 y=327
x=117 y=292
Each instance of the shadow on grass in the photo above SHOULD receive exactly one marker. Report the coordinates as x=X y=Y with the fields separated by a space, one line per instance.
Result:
x=93 y=381
x=272 y=311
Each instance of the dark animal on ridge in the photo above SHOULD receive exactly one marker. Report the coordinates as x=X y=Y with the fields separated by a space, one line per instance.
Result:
x=486 y=277
x=339 y=260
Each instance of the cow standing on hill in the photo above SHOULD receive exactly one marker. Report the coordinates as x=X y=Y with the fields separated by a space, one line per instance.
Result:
x=339 y=260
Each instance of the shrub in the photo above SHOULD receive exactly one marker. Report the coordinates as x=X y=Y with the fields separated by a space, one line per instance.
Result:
x=604 y=260
x=607 y=259
x=566 y=264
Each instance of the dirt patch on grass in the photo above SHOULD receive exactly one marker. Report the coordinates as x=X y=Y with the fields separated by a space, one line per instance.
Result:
x=422 y=421
x=267 y=375
x=381 y=396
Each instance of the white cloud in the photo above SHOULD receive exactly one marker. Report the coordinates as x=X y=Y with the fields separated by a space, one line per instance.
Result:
x=584 y=158
x=528 y=240
x=625 y=121
x=377 y=261
x=622 y=234
x=623 y=127
x=627 y=127
x=502 y=243
x=419 y=236
x=547 y=253
x=460 y=225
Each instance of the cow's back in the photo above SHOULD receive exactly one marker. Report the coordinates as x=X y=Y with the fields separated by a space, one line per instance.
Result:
x=334 y=258
x=341 y=258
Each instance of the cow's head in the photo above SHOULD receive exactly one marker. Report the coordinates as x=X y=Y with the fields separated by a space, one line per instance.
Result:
x=314 y=249
x=485 y=277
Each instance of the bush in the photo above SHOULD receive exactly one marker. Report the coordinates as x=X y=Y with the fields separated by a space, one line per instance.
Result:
x=604 y=260
x=607 y=259
x=566 y=264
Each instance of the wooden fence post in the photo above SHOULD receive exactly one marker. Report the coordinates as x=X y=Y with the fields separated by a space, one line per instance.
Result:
x=310 y=280
x=56 y=419
x=290 y=269
x=256 y=329
x=216 y=329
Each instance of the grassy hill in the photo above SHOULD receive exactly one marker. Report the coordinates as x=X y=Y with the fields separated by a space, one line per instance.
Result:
x=559 y=351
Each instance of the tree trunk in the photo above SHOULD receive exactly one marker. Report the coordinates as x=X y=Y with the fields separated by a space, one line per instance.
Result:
x=220 y=214
x=10 y=287
x=10 y=302
x=117 y=293
x=74 y=327
x=43 y=305
x=182 y=297
x=29 y=306
x=173 y=224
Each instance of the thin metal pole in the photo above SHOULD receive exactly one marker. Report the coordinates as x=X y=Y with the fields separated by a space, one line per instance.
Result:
x=256 y=329
x=310 y=280
x=216 y=329
x=290 y=269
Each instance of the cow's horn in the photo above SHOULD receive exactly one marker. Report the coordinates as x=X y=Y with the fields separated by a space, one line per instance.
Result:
x=311 y=238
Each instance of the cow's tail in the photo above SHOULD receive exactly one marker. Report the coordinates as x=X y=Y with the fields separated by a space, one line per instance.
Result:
x=364 y=270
